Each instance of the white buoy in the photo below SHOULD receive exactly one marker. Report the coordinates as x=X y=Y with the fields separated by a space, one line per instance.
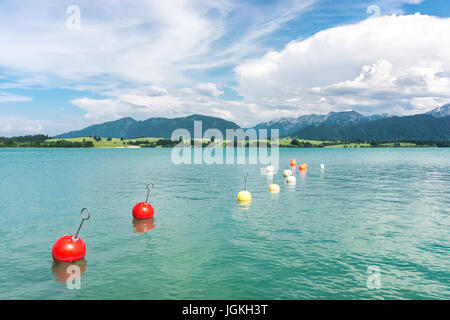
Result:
x=269 y=169
x=322 y=166
x=291 y=180
x=287 y=173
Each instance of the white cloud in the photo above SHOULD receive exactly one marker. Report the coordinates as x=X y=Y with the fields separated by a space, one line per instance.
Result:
x=100 y=108
x=208 y=89
x=377 y=88
x=17 y=125
x=174 y=103
x=224 y=114
x=384 y=64
x=8 y=97
x=141 y=42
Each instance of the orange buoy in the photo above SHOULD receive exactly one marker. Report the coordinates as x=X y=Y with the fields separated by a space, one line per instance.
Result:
x=144 y=210
x=302 y=167
x=293 y=163
x=71 y=248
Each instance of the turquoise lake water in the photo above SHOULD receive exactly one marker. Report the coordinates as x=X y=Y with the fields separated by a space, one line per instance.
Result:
x=384 y=208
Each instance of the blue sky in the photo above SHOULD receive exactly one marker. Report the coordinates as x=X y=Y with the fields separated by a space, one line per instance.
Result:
x=246 y=61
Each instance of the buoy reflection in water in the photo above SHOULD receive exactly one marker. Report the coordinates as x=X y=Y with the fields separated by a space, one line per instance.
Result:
x=290 y=187
x=302 y=175
x=69 y=271
x=294 y=170
x=244 y=205
x=274 y=196
x=143 y=225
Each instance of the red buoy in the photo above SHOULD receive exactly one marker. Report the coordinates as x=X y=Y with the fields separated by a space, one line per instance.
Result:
x=302 y=167
x=144 y=210
x=71 y=248
x=68 y=249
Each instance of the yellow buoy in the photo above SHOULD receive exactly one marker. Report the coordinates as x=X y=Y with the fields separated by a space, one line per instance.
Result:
x=244 y=196
x=274 y=188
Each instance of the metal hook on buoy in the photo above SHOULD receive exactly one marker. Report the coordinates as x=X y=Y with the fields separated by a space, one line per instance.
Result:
x=83 y=217
x=245 y=179
x=150 y=187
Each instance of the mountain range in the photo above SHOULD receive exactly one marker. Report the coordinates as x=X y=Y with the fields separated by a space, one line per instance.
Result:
x=347 y=125
x=433 y=125
x=291 y=125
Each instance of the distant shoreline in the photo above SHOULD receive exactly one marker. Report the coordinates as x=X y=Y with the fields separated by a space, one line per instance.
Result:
x=42 y=141
x=281 y=147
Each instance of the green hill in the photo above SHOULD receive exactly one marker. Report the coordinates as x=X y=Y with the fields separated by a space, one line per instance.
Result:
x=128 y=128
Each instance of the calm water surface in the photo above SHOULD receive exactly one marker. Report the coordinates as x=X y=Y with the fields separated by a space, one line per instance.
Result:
x=388 y=208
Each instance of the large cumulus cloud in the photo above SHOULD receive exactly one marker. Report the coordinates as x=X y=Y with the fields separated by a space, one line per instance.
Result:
x=395 y=64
